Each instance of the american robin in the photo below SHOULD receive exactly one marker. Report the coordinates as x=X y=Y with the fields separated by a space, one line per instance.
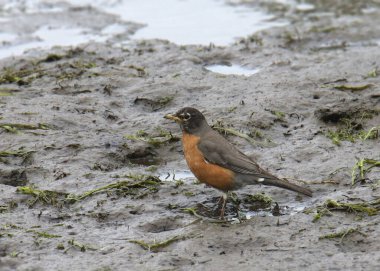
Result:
x=216 y=162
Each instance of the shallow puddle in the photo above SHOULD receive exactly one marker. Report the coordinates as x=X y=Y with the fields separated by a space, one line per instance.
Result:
x=47 y=37
x=6 y=37
x=176 y=176
x=261 y=213
x=240 y=209
x=208 y=22
x=289 y=209
x=232 y=69
x=305 y=7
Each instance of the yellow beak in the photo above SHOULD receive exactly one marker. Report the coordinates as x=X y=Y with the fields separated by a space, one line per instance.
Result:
x=172 y=117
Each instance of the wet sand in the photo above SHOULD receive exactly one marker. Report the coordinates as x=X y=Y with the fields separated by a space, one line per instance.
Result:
x=73 y=120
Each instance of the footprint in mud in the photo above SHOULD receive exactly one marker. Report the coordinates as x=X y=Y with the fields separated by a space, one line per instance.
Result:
x=152 y=104
x=144 y=156
x=13 y=167
x=17 y=158
x=120 y=157
x=162 y=225
x=13 y=177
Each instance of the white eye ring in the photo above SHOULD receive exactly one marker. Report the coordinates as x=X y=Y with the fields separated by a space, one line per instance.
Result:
x=187 y=116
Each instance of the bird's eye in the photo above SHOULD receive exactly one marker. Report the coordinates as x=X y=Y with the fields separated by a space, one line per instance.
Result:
x=187 y=116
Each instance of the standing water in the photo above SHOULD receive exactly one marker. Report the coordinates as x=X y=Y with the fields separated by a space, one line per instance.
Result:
x=180 y=21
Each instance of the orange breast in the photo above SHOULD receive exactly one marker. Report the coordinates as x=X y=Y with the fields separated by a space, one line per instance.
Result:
x=208 y=173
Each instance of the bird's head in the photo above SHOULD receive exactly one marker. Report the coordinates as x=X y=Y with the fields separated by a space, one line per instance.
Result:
x=190 y=119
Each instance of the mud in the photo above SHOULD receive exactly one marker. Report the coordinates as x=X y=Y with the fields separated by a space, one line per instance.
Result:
x=74 y=120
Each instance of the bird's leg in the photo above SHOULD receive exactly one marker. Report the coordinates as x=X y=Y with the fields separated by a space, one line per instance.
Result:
x=219 y=200
x=236 y=203
x=223 y=198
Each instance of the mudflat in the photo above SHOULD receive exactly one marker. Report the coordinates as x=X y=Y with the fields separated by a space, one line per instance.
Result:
x=92 y=177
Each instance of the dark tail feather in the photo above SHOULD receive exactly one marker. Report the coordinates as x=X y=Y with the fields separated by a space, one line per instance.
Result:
x=288 y=185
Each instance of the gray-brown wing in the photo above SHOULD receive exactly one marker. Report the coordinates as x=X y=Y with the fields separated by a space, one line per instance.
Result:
x=217 y=150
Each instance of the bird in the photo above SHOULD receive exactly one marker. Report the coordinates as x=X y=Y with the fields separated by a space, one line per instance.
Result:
x=218 y=163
